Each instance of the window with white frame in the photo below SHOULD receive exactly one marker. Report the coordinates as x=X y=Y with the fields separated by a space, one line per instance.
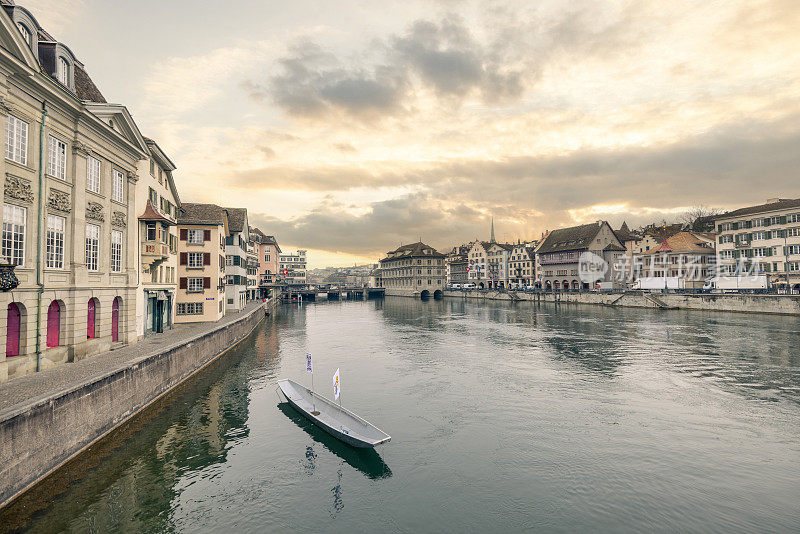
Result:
x=758 y=236
x=55 y=241
x=93 y=174
x=116 y=251
x=793 y=232
x=195 y=259
x=57 y=161
x=794 y=266
x=62 y=71
x=195 y=237
x=92 y=247
x=792 y=249
x=190 y=308
x=17 y=140
x=118 y=186
x=195 y=285
x=13 y=247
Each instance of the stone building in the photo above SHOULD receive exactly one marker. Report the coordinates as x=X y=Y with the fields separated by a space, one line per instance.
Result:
x=456 y=263
x=497 y=256
x=203 y=230
x=292 y=268
x=558 y=257
x=522 y=265
x=767 y=235
x=69 y=223
x=157 y=204
x=236 y=260
x=687 y=256
x=268 y=263
x=414 y=270
x=477 y=269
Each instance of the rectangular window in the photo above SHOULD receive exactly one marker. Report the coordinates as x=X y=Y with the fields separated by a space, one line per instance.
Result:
x=55 y=241
x=92 y=174
x=16 y=140
x=57 y=161
x=14 y=218
x=190 y=308
x=116 y=251
x=195 y=285
x=151 y=231
x=92 y=246
x=793 y=249
x=195 y=259
x=153 y=196
x=195 y=237
x=118 y=186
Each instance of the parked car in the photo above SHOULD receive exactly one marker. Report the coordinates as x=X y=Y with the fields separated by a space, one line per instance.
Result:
x=454 y=286
x=468 y=286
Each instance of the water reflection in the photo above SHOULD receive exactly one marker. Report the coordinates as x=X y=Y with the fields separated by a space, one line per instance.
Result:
x=135 y=473
x=366 y=461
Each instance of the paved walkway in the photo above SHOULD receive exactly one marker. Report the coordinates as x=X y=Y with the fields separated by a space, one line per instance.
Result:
x=17 y=393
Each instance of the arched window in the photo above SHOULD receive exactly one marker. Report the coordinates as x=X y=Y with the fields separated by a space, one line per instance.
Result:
x=54 y=324
x=115 y=308
x=90 y=318
x=26 y=33
x=62 y=71
x=14 y=325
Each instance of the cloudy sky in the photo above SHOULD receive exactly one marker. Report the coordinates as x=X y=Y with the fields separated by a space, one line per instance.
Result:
x=353 y=126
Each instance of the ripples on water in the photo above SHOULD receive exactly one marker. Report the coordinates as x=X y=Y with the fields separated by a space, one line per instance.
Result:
x=504 y=417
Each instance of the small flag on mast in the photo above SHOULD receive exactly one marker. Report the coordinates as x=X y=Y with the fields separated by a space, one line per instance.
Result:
x=309 y=365
x=336 y=385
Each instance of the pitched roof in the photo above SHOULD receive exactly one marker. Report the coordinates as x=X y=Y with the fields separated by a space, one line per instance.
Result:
x=624 y=233
x=85 y=87
x=572 y=238
x=781 y=203
x=614 y=246
x=150 y=214
x=413 y=249
x=686 y=242
x=193 y=213
x=236 y=219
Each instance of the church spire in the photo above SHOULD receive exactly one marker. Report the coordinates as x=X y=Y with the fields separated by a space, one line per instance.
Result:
x=492 y=238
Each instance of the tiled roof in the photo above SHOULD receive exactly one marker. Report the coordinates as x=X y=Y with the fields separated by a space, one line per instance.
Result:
x=686 y=242
x=85 y=87
x=782 y=203
x=614 y=246
x=201 y=214
x=150 y=214
x=413 y=250
x=236 y=219
x=573 y=238
x=624 y=234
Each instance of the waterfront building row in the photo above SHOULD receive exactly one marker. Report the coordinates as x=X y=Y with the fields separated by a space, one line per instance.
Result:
x=98 y=250
x=762 y=240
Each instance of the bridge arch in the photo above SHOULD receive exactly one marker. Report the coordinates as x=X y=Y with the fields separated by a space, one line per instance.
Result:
x=480 y=285
x=437 y=295
x=425 y=294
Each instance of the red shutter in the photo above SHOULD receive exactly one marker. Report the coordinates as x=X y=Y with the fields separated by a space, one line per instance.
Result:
x=206 y=258
x=183 y=283
x=184 y=258
x=184 y=234
x=206 y=283
x=206 y=235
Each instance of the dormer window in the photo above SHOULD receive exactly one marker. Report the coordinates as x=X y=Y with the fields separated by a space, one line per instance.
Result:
x=26 y=33
x=62 y=71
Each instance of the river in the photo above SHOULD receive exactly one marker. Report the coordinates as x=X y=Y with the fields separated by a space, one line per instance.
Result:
x=504 y=417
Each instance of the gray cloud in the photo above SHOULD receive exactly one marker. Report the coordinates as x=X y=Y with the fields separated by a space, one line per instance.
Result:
x=385 y=226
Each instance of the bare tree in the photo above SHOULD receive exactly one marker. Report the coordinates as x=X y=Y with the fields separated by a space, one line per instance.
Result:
x=700 y=218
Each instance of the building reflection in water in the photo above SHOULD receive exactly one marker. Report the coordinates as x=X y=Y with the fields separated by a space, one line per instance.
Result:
x=136 y=473
x=605 y=342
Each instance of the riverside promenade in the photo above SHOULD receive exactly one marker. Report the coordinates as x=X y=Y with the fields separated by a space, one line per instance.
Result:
x=47 y=418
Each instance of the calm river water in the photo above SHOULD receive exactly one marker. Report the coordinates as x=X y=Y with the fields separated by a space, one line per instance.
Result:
x=504 y=417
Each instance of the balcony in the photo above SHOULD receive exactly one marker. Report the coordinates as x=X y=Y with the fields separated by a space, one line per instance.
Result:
x=153 y=251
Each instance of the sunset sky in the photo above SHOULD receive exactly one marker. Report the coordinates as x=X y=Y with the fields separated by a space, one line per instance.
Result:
x=351 y=127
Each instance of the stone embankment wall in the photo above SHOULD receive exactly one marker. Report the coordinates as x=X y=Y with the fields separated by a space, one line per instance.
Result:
x=743 y=303
x=40 y=435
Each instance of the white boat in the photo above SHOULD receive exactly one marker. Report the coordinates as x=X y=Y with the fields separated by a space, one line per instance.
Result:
x=332 y=418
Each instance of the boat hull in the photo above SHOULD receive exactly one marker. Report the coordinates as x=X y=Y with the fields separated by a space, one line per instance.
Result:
x=333 y=419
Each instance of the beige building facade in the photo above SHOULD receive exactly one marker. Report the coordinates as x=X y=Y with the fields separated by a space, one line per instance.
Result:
x=157 y=204
x=762 y=239
x=202 y=231
x=416 y=269
x=69 y=218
